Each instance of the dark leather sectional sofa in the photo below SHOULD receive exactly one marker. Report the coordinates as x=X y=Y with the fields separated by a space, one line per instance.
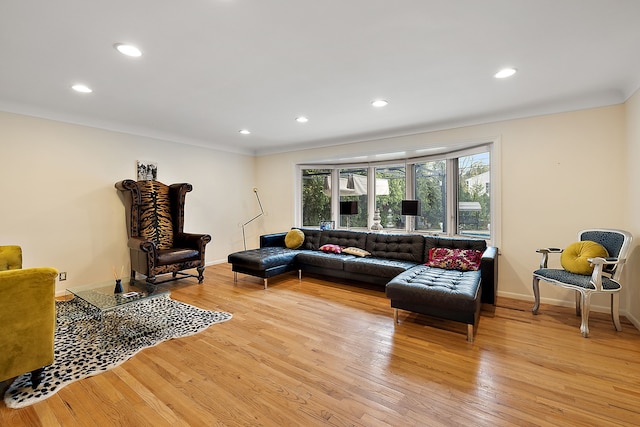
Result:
x=396 y=264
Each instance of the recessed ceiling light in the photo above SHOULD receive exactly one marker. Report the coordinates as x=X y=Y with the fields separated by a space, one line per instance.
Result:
x=302 y=119
x=504 y=73
x=81 y=88
x=127 y=49
x=245 y=131
x=379 y=103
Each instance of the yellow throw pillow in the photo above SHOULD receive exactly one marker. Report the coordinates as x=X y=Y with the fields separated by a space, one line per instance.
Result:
x=574 y=257
x=294 y=239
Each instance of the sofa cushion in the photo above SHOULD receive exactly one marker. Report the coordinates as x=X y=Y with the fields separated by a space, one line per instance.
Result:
x=380 y=267
x=343 y=238
x=403 y=247
x=322 y=259
x=176 y=255
x=311 y=239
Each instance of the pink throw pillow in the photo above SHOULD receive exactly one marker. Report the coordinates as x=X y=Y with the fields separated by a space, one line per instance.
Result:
x=336 y=249
x=454 y=259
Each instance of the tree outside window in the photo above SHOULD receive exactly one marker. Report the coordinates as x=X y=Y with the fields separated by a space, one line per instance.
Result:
x=316 y=196
x=431 y=191
x=390 y=191
x=460 y=182
x=474 y=200
x=353 y=187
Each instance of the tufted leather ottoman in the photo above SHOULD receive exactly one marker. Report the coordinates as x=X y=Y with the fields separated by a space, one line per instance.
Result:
x=447 y=294
x=262 y=262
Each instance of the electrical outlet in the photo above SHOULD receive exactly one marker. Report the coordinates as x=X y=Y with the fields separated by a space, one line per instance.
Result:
x=62 y=276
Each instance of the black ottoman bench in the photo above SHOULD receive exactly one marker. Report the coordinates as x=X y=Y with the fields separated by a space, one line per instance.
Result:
x=446 y=294
x=263 y=262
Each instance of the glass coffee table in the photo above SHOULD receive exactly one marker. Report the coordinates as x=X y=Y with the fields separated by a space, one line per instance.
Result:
x=100 y=301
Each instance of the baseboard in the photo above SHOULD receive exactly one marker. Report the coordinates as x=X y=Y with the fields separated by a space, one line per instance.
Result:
x=570 y=304
x=215 y=262
x=631 y=319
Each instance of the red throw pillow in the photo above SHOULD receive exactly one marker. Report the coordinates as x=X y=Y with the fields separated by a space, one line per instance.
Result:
x=454 y=259
x=336 y=249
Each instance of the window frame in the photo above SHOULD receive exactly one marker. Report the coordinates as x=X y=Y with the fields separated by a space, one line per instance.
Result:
x=491 y=146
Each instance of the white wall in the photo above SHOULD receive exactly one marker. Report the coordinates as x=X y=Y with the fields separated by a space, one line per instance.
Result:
x=560 y=173
x=59 y=202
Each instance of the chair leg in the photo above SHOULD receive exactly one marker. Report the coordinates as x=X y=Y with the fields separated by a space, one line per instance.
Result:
x=395 y=315
x=586 y=306
x=265 y=283
x=235 y=276
x=37 y=377
x=536 y=295
x=200 y=274
x=469 y=332
x=299 y=274
x=615 y=306
x=578 y=303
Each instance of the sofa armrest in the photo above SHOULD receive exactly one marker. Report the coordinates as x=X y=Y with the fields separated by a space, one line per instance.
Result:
x=27 y=319
x=192 y=240
x=489 y=272
x=270 y=240
x=142 y=244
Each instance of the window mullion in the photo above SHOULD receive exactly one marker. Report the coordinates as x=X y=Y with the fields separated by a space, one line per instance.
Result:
x=335 y=196
x=371 y=195
x=452 y=196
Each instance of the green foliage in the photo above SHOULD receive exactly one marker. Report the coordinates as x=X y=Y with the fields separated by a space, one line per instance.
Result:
x=430 y=189
x=390 y=205
x=316 y=204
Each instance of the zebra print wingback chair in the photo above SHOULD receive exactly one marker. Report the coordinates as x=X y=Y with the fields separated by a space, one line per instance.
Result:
x=155 y=228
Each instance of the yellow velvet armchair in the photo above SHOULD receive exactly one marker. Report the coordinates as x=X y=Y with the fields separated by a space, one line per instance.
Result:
x=27 y=316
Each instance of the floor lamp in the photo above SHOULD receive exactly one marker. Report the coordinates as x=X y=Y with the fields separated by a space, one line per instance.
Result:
x=244 y=240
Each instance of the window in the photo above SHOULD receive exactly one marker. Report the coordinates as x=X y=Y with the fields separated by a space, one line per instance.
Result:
x=316 y=196
x=431 y=190
x=474 y=207
x=454 y=191
x=390 y=191
x=353 y=188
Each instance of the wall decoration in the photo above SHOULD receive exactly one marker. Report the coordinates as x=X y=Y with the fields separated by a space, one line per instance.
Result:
x=147 y=171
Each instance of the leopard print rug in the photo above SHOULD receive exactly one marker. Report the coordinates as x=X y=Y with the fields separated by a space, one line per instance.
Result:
x=84 y=347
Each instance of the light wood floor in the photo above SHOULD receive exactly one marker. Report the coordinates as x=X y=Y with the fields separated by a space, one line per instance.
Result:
x=318 y=353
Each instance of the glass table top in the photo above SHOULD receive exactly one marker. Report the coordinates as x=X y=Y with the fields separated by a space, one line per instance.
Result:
x=102 y=295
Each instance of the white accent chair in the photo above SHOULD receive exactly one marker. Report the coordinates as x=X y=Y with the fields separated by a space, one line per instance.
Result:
x=604 y=279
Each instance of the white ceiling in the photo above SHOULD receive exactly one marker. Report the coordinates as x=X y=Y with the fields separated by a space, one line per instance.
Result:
x=212 y=67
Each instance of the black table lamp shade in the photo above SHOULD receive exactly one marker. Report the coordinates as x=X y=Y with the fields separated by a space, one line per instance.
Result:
x=411 y=207
x=348 y=208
